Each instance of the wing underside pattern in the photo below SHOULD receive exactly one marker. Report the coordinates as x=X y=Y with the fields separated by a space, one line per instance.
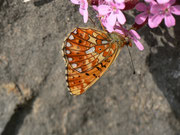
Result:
x=88 y=53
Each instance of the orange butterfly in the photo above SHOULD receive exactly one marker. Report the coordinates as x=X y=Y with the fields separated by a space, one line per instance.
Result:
x=88 y=53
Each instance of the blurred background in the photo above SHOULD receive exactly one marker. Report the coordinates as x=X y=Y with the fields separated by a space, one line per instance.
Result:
x=33 y=94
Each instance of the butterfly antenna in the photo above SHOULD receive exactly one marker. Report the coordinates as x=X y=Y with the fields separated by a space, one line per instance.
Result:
x=101 y=24
x=93 y=22
x=134 y=72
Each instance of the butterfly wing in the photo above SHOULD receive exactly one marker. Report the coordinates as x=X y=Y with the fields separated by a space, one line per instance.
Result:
x=88 y=53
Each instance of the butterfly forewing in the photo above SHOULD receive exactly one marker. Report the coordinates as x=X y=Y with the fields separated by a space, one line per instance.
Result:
x=88 y=54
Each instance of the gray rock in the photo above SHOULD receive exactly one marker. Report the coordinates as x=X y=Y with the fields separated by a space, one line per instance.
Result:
x=33 y=95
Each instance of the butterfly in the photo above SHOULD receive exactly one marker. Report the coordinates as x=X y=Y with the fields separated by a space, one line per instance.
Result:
x=88 y=53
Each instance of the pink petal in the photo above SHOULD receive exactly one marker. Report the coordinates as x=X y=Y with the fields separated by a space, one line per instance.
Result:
x=95 y=8
x=135 y=34
x=121 y=5
x=138 y=44
x=121 y=18
x=162 y=1
x=75 y=1
x=171 y=2
x=84 y=13
x=111 y=19
x=152 y=3
x=155 y=8
x=84 y=4
x=119 y=1
x=83 y=7
x=85 y=16
x=155 y=20
x=148 y=1
x=141 y=18
x=175 y=10
x=141 y=7
x=109 y=27
x=169 y=20
x=108 y=1
x=81 y=11
x=119 y=31
x=103 y=9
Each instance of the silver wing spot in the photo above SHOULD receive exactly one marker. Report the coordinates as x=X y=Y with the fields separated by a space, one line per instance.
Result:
x=68 y=44
x=92 y=49
x=104 y=42
x=68 y=52
x=75 y=31
x=70 y=59
x=71 y=37
x=74 y=65
x=79 y=69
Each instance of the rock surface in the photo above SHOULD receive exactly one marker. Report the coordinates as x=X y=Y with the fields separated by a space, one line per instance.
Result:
x=33 y=94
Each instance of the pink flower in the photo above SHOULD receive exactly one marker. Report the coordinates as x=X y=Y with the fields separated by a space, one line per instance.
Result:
x=141 y=18
x=83 y=8
x=112 y=13
x=132 y=35
x=164 y=11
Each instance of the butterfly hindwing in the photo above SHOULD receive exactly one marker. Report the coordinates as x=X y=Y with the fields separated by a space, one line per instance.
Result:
x=88 y=54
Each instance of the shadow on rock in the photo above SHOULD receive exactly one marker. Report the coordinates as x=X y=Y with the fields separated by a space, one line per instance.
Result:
x=41 y=2
x=164 y=63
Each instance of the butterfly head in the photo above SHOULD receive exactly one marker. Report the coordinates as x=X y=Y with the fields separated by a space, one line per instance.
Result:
x=120 y=39
x=127 y=41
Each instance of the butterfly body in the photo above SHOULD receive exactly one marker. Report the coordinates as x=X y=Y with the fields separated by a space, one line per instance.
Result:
x=88 y=53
